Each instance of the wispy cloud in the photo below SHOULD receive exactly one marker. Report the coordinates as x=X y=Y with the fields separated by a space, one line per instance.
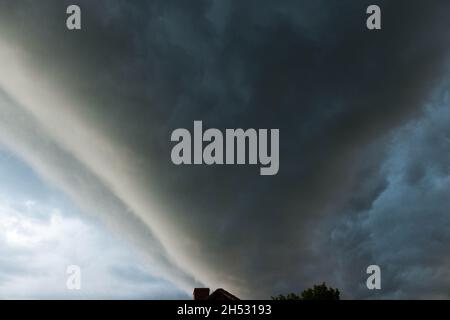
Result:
x=38 y=243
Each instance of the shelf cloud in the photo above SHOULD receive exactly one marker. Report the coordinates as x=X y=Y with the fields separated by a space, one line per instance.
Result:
x=364 y=146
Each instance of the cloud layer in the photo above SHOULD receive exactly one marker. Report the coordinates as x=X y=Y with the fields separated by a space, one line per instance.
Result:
x=92 y=112
x=38 y=243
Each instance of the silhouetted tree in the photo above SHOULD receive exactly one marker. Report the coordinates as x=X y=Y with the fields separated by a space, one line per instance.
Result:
x=317 y=292
x=289 y=296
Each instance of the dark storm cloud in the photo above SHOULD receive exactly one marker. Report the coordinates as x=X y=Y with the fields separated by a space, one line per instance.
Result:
x=405 y=228
x=138 y=70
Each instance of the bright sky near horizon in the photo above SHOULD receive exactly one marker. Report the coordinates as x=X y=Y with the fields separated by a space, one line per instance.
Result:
x=42 y=233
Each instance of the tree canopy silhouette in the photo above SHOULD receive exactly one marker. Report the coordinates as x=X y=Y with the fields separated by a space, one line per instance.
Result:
x=317 y=292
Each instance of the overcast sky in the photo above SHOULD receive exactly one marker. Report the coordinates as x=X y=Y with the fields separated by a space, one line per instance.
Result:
x=85 y=169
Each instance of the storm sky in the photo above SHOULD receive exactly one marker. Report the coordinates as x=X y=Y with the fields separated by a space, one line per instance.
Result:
x=86 y=118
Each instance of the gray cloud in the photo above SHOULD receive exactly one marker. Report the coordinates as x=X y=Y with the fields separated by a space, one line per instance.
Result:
x=110 y=95
x=35 y=253
x=404 y=225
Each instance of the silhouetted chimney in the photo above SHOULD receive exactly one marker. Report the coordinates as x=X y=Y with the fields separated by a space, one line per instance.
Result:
x=201 y=293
